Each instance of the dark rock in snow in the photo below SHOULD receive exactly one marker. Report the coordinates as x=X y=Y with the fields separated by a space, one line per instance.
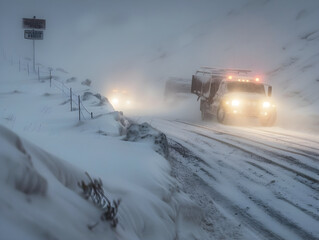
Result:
x=301 y=14
x=61 y=70
x=101 y=99
x=72 y=79
x=87 y=95
x=310 y=36
x=86 y=82
x=145 y=132
x=16 y=91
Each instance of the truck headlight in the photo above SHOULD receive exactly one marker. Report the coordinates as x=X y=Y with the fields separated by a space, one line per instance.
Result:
x=266 y=104
x=235 y=103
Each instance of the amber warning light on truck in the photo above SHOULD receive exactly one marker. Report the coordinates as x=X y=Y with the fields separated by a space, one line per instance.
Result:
x=230 y=77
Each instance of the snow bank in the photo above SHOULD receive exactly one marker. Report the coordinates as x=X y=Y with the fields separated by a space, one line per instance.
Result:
x=40 y=190
x=39 y=198
x=40 y=195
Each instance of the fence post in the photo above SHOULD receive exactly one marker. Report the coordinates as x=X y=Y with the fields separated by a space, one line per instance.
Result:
x=50 y=77
x=28 y=69
x=79 y=102
x=38 y=73
x=91 y=115
x=71 y=98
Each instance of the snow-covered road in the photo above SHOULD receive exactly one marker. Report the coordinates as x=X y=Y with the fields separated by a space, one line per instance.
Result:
x=251 y=183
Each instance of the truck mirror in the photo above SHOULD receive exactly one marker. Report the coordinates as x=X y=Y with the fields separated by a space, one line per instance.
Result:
x=269 y=91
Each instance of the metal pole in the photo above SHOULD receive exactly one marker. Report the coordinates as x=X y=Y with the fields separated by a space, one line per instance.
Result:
x=92 y=115
x=71 y=98
x=79 y=102
x=28 y=69
x=50 y=77
x=38 y=73
x=33 y=54
x=33 y=49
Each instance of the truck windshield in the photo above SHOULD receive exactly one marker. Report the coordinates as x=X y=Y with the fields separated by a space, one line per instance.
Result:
x=245 y=87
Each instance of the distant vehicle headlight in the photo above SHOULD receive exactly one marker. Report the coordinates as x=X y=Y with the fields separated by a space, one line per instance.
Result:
x=266 y=104
x=115 y=101
x=235 y=103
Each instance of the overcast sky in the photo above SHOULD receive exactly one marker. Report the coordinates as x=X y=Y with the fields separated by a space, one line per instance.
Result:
x=110 y=41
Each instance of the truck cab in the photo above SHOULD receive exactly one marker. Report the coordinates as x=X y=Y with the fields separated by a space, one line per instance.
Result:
x=232 y=93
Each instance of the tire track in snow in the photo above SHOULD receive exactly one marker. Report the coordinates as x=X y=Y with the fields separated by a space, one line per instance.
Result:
x=260 y=158
x=276 y=215
x=242 y=211
x=306 y=211
x=289 y=135
x=288 y=159
x=311 y=156
x=199 y=189
x=284 y=220
x=269 y=136
x=243 y=174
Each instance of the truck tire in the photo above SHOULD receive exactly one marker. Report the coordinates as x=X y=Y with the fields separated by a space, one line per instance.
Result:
x=221 y=115
x=269 y=121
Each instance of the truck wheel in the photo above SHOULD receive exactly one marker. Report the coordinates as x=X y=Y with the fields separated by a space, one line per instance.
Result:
x=268 y=121
x=221 y=115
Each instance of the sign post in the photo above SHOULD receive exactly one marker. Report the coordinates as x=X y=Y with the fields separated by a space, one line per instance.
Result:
x=33 y=44
x=33 y=23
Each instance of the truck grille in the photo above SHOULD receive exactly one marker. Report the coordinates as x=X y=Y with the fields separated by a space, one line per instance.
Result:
x=251 y=108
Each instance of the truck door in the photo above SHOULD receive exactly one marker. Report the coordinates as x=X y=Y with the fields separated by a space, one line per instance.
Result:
x=196 y=87
x=213 y=90
x=218 y=96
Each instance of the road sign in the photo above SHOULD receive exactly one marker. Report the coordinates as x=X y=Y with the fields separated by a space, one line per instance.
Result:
x=33 y=34
x=33 y=23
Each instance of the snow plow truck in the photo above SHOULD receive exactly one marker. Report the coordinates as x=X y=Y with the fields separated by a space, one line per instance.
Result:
x=232 y=93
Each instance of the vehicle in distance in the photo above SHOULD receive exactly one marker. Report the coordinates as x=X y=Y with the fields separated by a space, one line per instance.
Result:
x=231 y=93
x=177 y=87
x=120 y=99
x=177 y=90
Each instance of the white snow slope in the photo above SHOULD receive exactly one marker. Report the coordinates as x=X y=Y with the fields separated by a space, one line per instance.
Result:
x=51 y=207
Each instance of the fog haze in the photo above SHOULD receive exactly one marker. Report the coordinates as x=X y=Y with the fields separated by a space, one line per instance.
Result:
x=142 y=43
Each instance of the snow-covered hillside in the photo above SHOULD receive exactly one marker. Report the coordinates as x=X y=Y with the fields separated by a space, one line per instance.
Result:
x=40 y=192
